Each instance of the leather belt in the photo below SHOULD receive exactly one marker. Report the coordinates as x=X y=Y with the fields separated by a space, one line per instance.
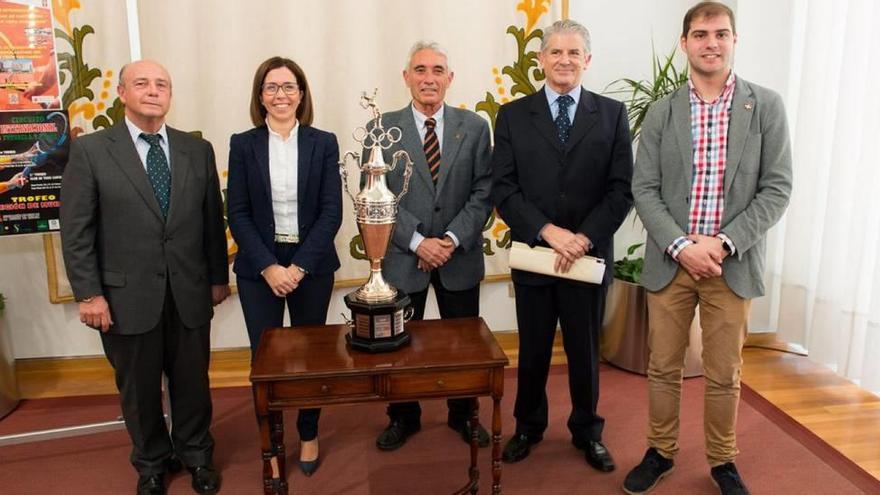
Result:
x=287 y=238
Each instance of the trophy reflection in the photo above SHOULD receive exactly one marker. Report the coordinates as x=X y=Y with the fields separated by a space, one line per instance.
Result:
x=379 y=310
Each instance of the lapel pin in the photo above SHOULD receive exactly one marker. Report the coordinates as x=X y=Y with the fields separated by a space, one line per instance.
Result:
x=458 y=136
x=749 y=106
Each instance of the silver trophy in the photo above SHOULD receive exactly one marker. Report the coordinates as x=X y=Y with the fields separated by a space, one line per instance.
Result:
x=379 y=310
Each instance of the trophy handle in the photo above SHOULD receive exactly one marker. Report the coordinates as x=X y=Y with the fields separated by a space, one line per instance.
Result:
x=407 y=172
x=408 y=313
x=343 y=171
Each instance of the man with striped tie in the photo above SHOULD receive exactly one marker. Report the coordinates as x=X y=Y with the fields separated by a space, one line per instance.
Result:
x=438 y=238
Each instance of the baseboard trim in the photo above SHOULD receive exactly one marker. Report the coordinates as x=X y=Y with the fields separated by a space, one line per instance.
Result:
x=40 y=378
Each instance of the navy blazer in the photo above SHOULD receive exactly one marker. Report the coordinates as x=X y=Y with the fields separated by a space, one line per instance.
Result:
x=319 y=198
x=583 y=186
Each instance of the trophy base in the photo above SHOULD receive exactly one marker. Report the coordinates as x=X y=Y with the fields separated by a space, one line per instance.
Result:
x=378 y=327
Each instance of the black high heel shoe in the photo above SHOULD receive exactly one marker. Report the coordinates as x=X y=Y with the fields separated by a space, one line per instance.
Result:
x=309 y=467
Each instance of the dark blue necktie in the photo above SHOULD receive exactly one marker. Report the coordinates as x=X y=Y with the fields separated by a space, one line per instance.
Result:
x=158 y=172
x=563 y=123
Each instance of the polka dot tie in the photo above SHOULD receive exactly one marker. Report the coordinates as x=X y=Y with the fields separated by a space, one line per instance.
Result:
x=158 y=172
x=563 y=123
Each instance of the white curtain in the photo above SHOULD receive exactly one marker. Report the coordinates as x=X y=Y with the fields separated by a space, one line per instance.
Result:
x=824 y=258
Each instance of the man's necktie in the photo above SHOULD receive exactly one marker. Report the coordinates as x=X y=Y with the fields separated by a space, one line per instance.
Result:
x=563 y=123
x=432 y=149
x=158 y=172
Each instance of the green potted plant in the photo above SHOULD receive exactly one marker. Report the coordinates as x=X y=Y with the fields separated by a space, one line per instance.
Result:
x=625 y=331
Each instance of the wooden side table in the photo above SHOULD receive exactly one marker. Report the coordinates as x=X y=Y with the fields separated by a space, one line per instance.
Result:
x=313 y=367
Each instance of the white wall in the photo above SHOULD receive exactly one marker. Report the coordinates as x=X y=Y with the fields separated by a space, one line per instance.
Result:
x=622 y=33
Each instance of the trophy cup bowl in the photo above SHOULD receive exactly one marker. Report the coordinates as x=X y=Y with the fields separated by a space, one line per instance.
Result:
x=379 y=310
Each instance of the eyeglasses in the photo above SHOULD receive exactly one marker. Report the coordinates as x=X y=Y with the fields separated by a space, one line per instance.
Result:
x=272 y=88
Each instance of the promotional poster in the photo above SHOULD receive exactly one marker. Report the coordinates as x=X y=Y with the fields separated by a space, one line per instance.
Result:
x=33 y=151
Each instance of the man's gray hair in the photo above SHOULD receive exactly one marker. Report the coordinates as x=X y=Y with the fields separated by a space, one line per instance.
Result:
x=566 y=26
x=426 y=45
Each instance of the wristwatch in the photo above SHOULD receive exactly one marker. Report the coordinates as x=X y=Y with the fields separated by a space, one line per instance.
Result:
x=88 y=299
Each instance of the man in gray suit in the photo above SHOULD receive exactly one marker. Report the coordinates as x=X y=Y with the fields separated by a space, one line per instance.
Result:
x=145 y=250
x=438 y=237
x=712 y=175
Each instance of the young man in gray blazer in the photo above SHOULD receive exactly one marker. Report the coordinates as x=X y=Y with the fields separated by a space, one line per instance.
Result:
x=145 y=250
x=712 y=175
x=438 y=237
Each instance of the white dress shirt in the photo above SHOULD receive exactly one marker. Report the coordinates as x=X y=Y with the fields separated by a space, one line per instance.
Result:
x=283 y=168
x=143 y=147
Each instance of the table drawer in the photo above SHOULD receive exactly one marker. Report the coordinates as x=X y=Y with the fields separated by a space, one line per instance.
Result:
x=440 y=382
x=323 y=387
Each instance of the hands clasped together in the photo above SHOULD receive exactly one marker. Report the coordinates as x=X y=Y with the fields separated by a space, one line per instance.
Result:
x=282 y=280
x=569 y=246
x=434 y=252
x=703 y=258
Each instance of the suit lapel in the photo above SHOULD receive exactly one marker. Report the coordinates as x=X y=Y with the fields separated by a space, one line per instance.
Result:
x=180 y=165
x=741 y=111
x=681 y=119
x=125 y=155
x=585 y=117
x=453 y=135
x=305 y=142
x=543 y=119
x=414 y=147
x=261 y=152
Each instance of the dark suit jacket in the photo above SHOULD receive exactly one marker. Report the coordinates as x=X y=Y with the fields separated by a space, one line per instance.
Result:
x=583 y=186
x=319 y=201
x=459 y=203
x=116 y=243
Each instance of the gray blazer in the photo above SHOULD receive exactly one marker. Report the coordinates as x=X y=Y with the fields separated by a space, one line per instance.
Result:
x=459 y=203
x=116 y=243
x=757 y=183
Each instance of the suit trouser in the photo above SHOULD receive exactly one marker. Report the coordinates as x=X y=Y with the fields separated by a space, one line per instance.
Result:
x=579 y=309
x=723 y=318
x=139 y=360
x=452 y=304
x=307 y=305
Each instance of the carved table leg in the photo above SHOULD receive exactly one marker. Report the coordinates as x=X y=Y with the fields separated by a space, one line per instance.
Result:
x=496 y=445
x=475 y=427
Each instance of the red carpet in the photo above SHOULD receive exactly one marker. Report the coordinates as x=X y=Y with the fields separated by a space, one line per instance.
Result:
x=778 y=456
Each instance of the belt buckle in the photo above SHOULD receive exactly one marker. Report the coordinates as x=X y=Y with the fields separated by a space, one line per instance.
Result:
x=287 y=238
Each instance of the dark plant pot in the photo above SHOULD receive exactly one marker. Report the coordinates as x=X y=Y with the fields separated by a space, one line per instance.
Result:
x=624 y=341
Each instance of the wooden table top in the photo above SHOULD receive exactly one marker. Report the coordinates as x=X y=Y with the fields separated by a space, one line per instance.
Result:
x=311 y=351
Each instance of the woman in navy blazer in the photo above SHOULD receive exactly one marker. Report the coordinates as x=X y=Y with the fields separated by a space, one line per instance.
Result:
x=285 y=207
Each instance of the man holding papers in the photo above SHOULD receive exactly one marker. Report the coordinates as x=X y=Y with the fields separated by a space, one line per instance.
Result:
x=562 y=167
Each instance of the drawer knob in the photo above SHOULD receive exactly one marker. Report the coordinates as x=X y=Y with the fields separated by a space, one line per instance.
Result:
x=325 y=388
x=441 y=383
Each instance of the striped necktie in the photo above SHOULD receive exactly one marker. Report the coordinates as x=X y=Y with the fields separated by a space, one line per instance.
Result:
x=432 y=149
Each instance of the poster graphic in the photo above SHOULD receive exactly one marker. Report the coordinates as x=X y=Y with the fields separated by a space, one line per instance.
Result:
x=33 y=152
x=28 y=67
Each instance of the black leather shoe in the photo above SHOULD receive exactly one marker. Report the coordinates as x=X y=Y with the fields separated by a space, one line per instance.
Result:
x=518 y=447
x=395 y=435
x=464 y=429
x=205 y=480
x=728 y=480
x=151 y=484
x=597 y=454
x=644 y=477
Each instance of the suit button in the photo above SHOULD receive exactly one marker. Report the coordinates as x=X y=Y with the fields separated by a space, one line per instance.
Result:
x=436 y=208
x=562 y=196
x=160 y=274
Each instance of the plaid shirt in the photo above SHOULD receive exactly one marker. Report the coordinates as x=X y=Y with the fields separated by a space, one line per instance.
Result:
x=709 y=123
